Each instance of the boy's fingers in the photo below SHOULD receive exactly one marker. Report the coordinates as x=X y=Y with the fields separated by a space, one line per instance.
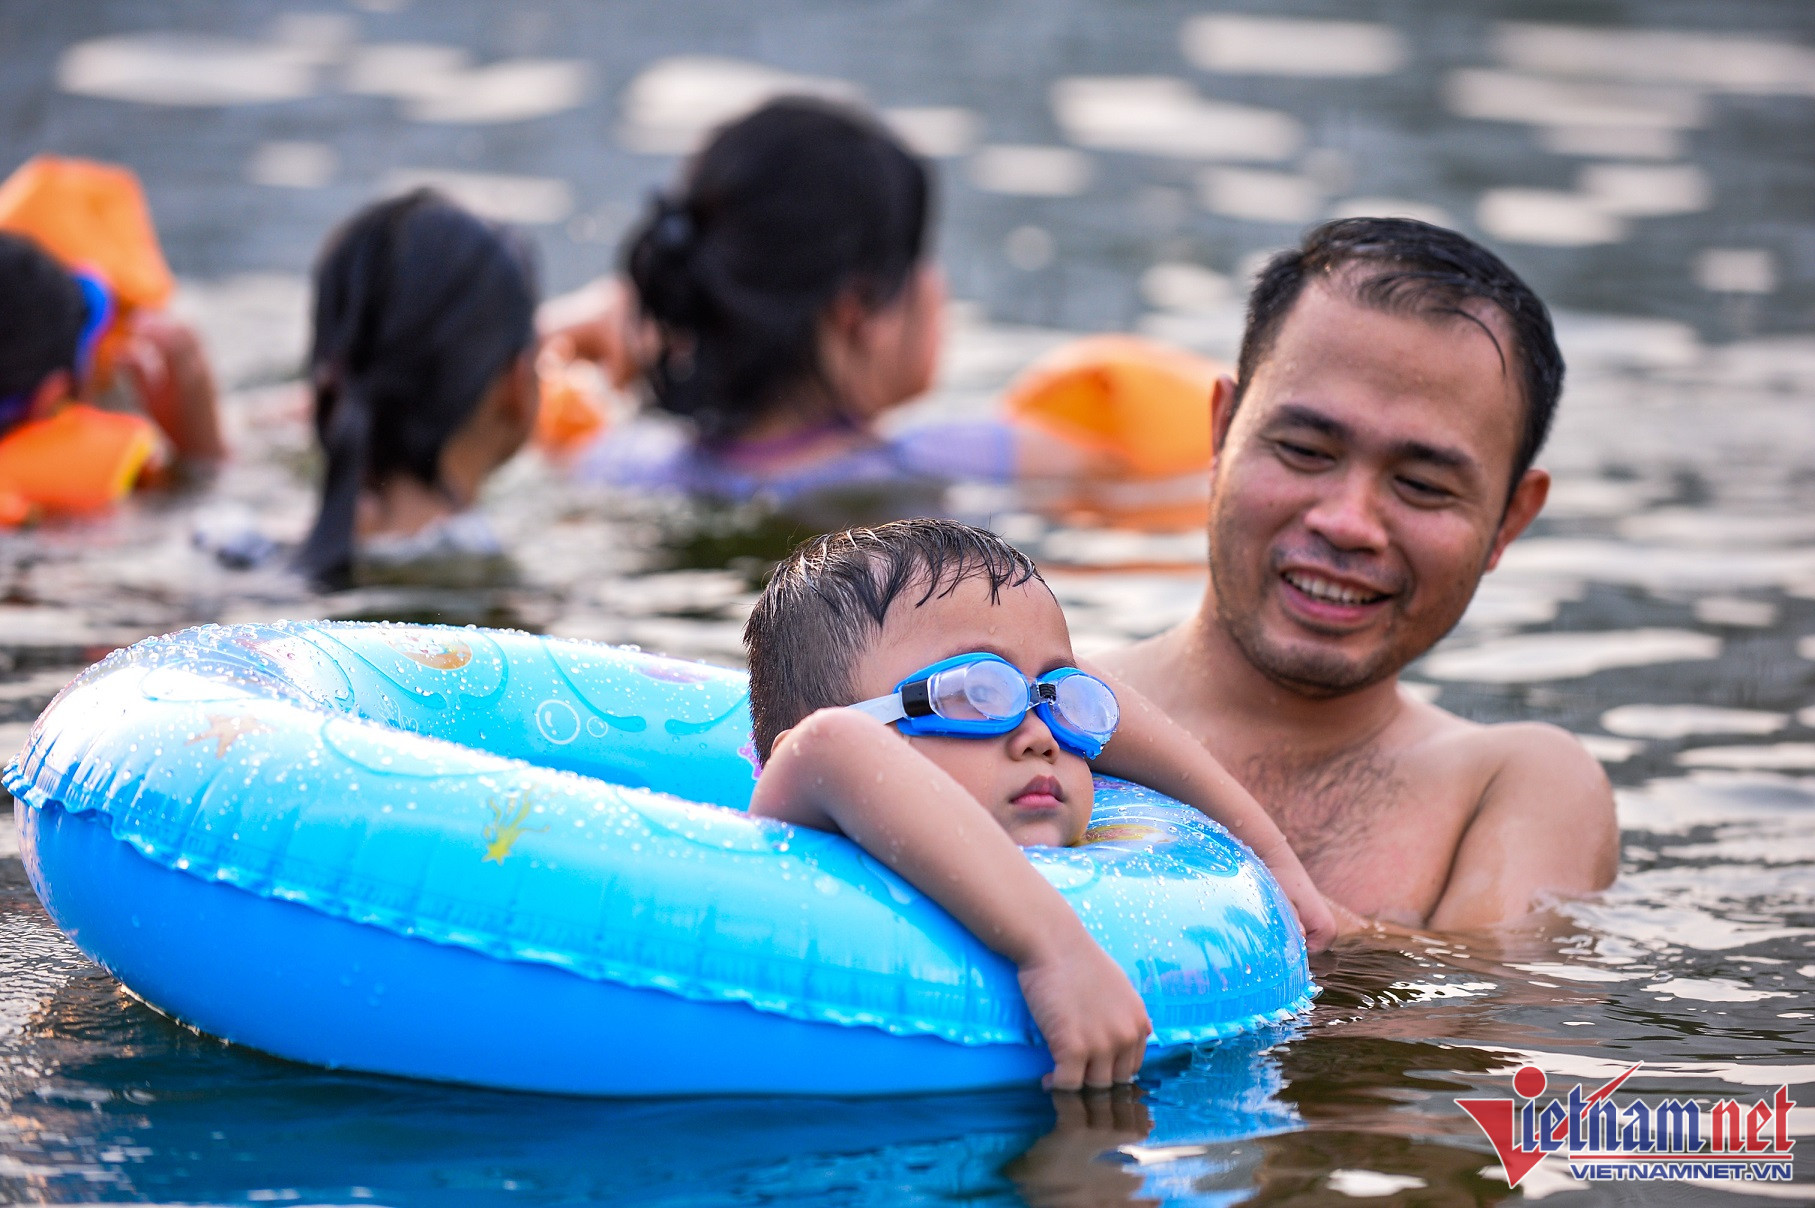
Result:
x=1129 y=1063
x=1067 y=1072
x=1100 y=1073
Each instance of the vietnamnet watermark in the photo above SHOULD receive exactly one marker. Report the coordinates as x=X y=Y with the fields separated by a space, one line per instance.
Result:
x=1640 y=1139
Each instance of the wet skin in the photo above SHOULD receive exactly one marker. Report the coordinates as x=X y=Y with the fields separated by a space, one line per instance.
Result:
x=1039 y=792
x=948 y=814
x=1359 y=492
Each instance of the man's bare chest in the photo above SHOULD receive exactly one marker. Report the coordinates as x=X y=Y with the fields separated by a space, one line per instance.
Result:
x=1376 y=831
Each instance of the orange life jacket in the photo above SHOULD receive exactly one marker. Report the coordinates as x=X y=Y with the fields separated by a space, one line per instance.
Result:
x=93 y=217
x=1145 y=405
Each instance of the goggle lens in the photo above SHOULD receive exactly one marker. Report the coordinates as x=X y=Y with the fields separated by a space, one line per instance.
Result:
x=982 y=694
x=989 y=691
x=1087 y=704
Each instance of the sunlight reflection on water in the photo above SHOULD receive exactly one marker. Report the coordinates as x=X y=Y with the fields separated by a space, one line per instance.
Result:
x=1662 y=608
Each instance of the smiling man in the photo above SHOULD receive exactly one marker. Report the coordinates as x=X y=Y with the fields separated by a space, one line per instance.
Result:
x=1373 y=461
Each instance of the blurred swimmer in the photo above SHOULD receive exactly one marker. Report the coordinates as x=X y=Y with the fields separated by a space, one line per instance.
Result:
x=99 y=388
x=781 y=303
x=423 y=366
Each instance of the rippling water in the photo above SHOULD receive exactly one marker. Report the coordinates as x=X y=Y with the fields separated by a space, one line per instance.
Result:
x=1652 y=180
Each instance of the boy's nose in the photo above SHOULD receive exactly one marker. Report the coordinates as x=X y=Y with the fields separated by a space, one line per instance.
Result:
x=1033 y=739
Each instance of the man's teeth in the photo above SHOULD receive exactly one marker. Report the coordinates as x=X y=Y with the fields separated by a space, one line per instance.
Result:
x=1323 y=589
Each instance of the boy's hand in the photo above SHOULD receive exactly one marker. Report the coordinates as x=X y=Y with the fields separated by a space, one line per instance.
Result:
x=1314 y=914
x=841 y=770
x=1092 y=1019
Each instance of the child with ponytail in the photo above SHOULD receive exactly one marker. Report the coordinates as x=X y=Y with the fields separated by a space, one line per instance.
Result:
x=423 y=368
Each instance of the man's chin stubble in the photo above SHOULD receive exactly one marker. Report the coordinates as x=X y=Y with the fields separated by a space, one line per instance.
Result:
x=1313 y=676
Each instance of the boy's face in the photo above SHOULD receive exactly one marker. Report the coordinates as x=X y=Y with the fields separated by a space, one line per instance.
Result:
x=1037 y=790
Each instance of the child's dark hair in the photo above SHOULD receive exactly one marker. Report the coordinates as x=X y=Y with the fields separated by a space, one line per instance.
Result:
x=780 y=214
x=1402 y=266
x=827 y=600
x=42 y=312
x=419 y=307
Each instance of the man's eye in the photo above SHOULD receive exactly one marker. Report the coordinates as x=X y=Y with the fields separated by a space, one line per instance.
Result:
x=1303 y=454
x=1423 y=491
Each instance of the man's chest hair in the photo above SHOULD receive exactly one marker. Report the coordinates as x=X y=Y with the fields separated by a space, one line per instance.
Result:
x=1333 y=808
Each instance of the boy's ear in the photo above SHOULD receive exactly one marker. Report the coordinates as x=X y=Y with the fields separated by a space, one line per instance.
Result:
x=57 y=388
x=523 y=393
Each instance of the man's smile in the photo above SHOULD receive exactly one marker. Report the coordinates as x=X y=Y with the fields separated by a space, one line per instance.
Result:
x=1334 y=591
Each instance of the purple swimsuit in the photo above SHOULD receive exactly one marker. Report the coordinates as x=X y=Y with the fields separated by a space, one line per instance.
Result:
x=647 y=456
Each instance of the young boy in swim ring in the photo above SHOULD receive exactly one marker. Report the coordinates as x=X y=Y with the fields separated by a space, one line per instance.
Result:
x=950 y=633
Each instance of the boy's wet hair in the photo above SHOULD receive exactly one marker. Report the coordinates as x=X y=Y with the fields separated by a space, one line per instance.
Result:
x=785 y=210
x=827 y=601
x=1402 y=266
x=42 y=311
x=419 y=307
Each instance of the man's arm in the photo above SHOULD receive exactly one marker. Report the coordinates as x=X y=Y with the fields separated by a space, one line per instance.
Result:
x=840 y=770
x=1152 y=749
x=1545 y=827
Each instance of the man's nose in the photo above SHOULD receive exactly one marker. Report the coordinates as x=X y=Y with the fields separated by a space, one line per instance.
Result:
x=1348 y=515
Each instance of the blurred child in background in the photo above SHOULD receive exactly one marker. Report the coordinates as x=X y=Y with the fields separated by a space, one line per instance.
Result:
x=780 y=303
x=100 y=389
x=423 y=370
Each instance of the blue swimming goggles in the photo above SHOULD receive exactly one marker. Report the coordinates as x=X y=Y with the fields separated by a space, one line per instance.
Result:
x=977 y=695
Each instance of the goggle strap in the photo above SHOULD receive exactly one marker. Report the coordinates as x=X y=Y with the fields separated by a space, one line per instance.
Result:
x=885 y=709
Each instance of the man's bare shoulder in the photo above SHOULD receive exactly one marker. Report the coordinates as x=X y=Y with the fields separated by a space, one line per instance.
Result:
x=1542 y=822
x=1137 y=661
x=1517 y=756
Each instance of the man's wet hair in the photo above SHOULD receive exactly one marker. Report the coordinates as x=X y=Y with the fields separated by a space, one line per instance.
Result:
x=1405 y=267
x=42 y=312
x=827 y=599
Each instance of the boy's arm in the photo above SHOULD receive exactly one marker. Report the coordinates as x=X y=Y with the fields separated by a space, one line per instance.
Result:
x=840 y=770
x=1152 y=749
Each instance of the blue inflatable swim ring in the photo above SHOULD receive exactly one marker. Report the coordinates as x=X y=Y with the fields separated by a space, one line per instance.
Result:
x=495 y=858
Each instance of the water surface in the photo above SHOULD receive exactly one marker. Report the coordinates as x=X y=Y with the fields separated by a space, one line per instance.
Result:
x=1649 y=171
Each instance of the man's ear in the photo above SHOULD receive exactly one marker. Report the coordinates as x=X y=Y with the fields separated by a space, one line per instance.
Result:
x=1527 y=501
x=1222 y=414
